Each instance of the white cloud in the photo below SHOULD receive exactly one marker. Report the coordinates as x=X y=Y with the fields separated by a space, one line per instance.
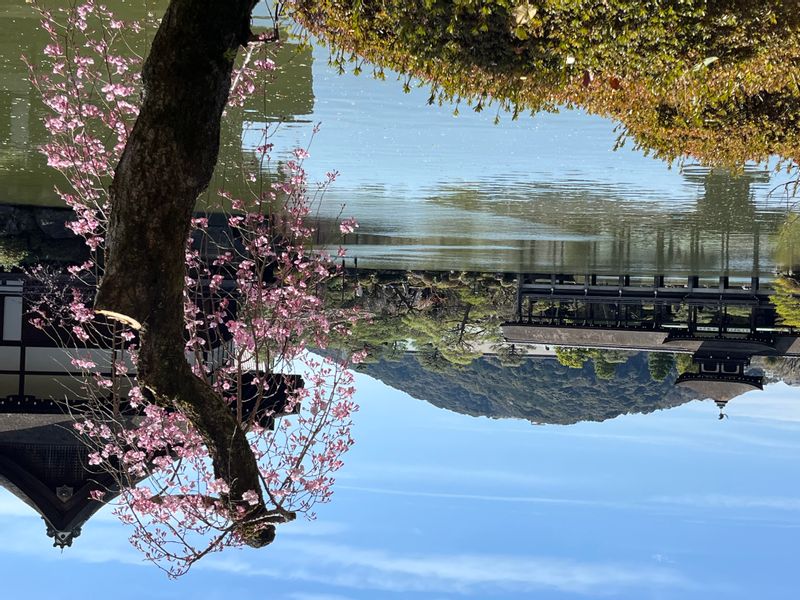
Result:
x=778 y=402
x=11 y=506
x=350 y=567
x=312 y=596
x=428 y=472
x=307 y=528
x=487 y=498
x=724 y=501
x=99 y=542
x=304 y=558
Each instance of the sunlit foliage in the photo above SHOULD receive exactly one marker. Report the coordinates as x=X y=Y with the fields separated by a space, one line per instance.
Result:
x=449 y=318
x=605 y=361
x=660 y=364
x=787 y=242
x=786 y=297
x=714 y=80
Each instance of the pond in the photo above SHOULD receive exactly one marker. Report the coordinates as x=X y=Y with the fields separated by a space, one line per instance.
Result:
x=577 y=382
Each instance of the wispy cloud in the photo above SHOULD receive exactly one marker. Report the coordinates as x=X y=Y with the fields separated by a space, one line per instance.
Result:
x=694 y=432
x=100 y=542
x=306 y=528
x=351 y=567
x=341 y=567
x=312 y=596
x=429 y=472
x=777 y=403
x=723 y=501
x=488 y=498
x=11 y=506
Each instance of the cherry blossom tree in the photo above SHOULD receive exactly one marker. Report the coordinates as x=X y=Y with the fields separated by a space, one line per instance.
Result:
x=210 y=444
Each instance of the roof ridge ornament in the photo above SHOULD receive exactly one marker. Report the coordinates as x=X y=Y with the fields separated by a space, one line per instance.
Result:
x=62 y=539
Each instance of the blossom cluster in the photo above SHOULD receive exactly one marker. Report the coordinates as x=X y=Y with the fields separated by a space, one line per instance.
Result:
x=91 y=88
x=253 y=308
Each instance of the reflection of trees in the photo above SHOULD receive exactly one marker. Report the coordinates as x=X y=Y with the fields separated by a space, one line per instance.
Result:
x=725 y=208
x=787 y=245
x=580 y=229
x=726 y=204
x=786 y=294
x=23 y=169
x=24 y=176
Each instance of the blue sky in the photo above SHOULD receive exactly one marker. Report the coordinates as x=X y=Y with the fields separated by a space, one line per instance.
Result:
x=434 y=505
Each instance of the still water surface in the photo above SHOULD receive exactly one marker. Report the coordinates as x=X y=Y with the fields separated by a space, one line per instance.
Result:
x=435 y=191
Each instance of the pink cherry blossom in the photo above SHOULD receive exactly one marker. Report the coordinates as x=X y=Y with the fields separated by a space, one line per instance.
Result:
x=256 y=305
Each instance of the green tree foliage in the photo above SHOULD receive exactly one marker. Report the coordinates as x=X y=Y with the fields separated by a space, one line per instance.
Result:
x=786 y=288
x=684 y=364
x=539 y=389
x=660 y=365
x=508 y=355
x=449 y=318
x=787 y=243
x=605 y=361
x=711 y=79
x=574 y=358
x=786 y=297
x=604 y=369
x=12 y=252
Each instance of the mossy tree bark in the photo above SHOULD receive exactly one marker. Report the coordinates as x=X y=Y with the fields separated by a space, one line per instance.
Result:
x=168 y=161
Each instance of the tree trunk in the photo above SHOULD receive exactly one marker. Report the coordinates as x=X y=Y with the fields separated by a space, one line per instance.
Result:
x=167 y=162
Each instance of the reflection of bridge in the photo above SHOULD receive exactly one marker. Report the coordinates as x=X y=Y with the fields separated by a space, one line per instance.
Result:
x=721 y=324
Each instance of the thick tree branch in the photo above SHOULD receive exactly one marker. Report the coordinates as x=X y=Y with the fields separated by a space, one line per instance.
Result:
x=167 y=162
x=170 y=154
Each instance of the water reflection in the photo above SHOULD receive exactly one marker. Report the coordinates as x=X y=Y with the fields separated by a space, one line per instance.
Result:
x=731 y=226
x=721 y=222
x=25 y=178
x=525 y=209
